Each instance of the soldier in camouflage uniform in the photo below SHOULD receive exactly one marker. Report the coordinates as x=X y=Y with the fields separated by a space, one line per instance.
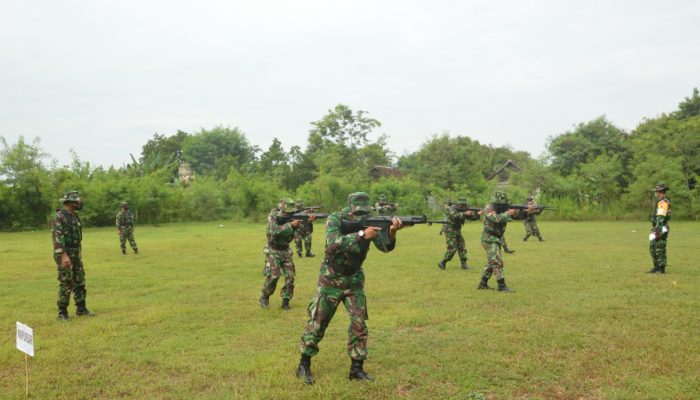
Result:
x=456 y=214
x=530 y=222
x=341 y=280
x=125 y=228
x=383 y=207
x=303 y=234
x=496 y=217
x=67 y=235
x=659 y=229
x=278 y=255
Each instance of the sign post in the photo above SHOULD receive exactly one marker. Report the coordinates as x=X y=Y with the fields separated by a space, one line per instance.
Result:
x=25 y=344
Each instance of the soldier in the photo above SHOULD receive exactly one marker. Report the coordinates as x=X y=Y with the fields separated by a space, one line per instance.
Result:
x=530 y=222
x=303 y=234
x=125 y=228
x=278 y=254
x=496 y=217
x=383 y=207
x=67 y=235
x=341 y=280
x=659 y=229
x=456 y=214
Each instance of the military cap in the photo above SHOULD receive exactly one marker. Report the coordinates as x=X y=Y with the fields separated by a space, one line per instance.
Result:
x=288 y=205
x=462 y=201
x=530 y=198
x=660 y=187
x=123 y=204
x=500 y=198
x=359 y=201
x=71 y=196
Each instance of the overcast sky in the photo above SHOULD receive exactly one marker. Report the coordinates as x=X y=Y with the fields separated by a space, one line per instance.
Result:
x=102 y=77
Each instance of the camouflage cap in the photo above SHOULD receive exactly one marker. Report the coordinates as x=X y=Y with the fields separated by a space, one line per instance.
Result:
x=71 y=196
x=660 y=187
x=288 y=205
x=382 y=197
x=461 y=201
x=123 y=204
x=359 y=201
x=500 y=198
x=530 y=198
x=299 y=203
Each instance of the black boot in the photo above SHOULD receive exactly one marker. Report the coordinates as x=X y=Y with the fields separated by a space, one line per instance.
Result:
x=124 y=251
x=136 y=251
x=304 y=370
x=509 y=251
x=441 y=264
x=63 y=313
x=525 y=238
x=653 y=270
x=540 y=238
x=285 y=304
x=464 y=265
x=82 y=310
x=662 y=270
x=310 y=254
x=484 y=284
x=502 y=286
x=299 y=253
x=357 y=373
x=264 y=301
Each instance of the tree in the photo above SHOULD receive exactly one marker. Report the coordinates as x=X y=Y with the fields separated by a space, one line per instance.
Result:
x=690 y=107
x=218 y=150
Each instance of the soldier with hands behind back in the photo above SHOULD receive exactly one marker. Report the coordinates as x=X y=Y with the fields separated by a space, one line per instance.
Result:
x=67 y=236
x=125 y=228
x=659 y=229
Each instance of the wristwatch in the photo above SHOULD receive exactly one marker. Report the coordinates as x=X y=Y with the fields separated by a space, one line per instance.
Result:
x=361 y=234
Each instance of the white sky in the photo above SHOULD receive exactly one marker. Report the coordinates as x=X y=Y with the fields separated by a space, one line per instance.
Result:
x=102 y=77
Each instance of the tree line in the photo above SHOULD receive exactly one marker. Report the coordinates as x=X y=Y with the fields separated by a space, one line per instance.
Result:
x=593 y=171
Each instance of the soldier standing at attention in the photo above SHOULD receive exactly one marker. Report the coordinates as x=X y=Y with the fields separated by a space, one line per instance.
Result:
x=125 y=227
x=496 y=217
x=67 y=235
x=341 y=280
x=303 y=234
x=278 y=254
x=383 y=207
x=456 y=215
x=659 y=229
x=530 y=222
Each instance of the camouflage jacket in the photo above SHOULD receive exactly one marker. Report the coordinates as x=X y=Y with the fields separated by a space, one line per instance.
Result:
x=66 y=231
x=125 y=219
x=530 y=217
x=456 y=219
x=346 y=253
x=661 y=214
x=278 y=236
x=494 y=225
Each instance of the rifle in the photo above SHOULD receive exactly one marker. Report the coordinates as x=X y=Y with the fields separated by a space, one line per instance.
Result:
x=302 y=216
x=312 y=208
x=383 y=222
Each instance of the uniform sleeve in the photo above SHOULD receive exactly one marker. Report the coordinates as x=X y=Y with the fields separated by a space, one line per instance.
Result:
x=662 y=211
x=58 y=233
x=497 y=218
x=383 y=247
x=336 y=240
x=274 y=230
x=116 y=221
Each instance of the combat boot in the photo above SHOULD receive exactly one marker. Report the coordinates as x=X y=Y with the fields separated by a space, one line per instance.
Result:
x=464 y=265
x=540 y=238
x=357 y=373
x=310 y=254
x=304 y=370
x=82 y=310
x=662 y=270
x=123 y=251
x=509 y=251
x=441 y=265
x=526 y=237
x=502 y=286
x=264 y=301
x=484 y=284
x=63 y=314
x=653 y=270
x=299 y=253
x=136 y=251
x=285 y=304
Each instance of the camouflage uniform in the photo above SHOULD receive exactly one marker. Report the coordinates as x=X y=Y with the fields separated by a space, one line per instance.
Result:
x=278 y=255
x=67 y=236
x=302 y=235
x=531 y=223
x=383 y=207
x=456 y=215
x=341 y=280
x=492 y=240
x=125 y=225
x=659 y=227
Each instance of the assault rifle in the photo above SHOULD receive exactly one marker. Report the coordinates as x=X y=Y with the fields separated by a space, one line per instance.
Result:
x=383 y=222
x=302 y=216
x=444 y=222
x=312 y=208
x=524 y=207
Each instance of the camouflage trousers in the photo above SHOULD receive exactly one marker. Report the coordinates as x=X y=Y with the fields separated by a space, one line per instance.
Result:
x=304 y=238
x=494 y=262
x=277 y=264
x=455 y=244
x=127 y=234
x=322 y=308
x=531 y=229
x=657 y=249
x=71 y=279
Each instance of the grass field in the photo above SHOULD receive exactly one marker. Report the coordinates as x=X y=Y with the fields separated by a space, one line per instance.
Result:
x=181 y=319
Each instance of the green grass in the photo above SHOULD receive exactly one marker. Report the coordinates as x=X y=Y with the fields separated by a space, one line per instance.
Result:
x=181 y=320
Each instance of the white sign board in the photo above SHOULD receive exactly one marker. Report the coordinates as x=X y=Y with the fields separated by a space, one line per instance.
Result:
x=25 y=339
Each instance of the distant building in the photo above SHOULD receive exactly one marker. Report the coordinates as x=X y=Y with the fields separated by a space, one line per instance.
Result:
x=503 y=174
x=379 y=171
x=185 y=173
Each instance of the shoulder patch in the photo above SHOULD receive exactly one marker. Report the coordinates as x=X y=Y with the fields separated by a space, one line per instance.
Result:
x=662 y=208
